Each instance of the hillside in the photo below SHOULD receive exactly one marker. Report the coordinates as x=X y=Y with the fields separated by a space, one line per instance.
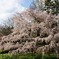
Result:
x=34 y=31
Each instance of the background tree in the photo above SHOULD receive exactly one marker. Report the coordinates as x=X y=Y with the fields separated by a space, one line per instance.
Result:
x=51 y=6
x=37 y=4
x=7 y=27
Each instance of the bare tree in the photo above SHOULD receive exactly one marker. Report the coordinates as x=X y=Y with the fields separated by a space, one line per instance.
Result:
x=7 y=27
x=38 y=4
x=8 y=23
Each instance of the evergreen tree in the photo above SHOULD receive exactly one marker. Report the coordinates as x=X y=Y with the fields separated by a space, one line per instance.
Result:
x=52 y=6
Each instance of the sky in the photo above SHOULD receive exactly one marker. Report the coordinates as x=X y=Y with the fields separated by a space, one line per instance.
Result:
x=10 y=7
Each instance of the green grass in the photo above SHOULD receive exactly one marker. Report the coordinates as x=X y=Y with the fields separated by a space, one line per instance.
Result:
x=27 y=56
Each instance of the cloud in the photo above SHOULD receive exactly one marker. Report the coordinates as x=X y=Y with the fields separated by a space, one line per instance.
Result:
x=9 y=7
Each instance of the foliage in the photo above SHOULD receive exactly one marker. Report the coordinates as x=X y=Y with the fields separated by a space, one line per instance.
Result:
x=52 y=6
x=34 y=34
x=39 y=43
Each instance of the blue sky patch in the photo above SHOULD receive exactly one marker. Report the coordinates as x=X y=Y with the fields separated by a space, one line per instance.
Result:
x=9 y=7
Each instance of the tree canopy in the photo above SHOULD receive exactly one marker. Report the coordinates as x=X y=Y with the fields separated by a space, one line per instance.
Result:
x=51 y=6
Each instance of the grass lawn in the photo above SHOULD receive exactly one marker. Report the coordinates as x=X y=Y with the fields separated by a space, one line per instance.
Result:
x=27 y=56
